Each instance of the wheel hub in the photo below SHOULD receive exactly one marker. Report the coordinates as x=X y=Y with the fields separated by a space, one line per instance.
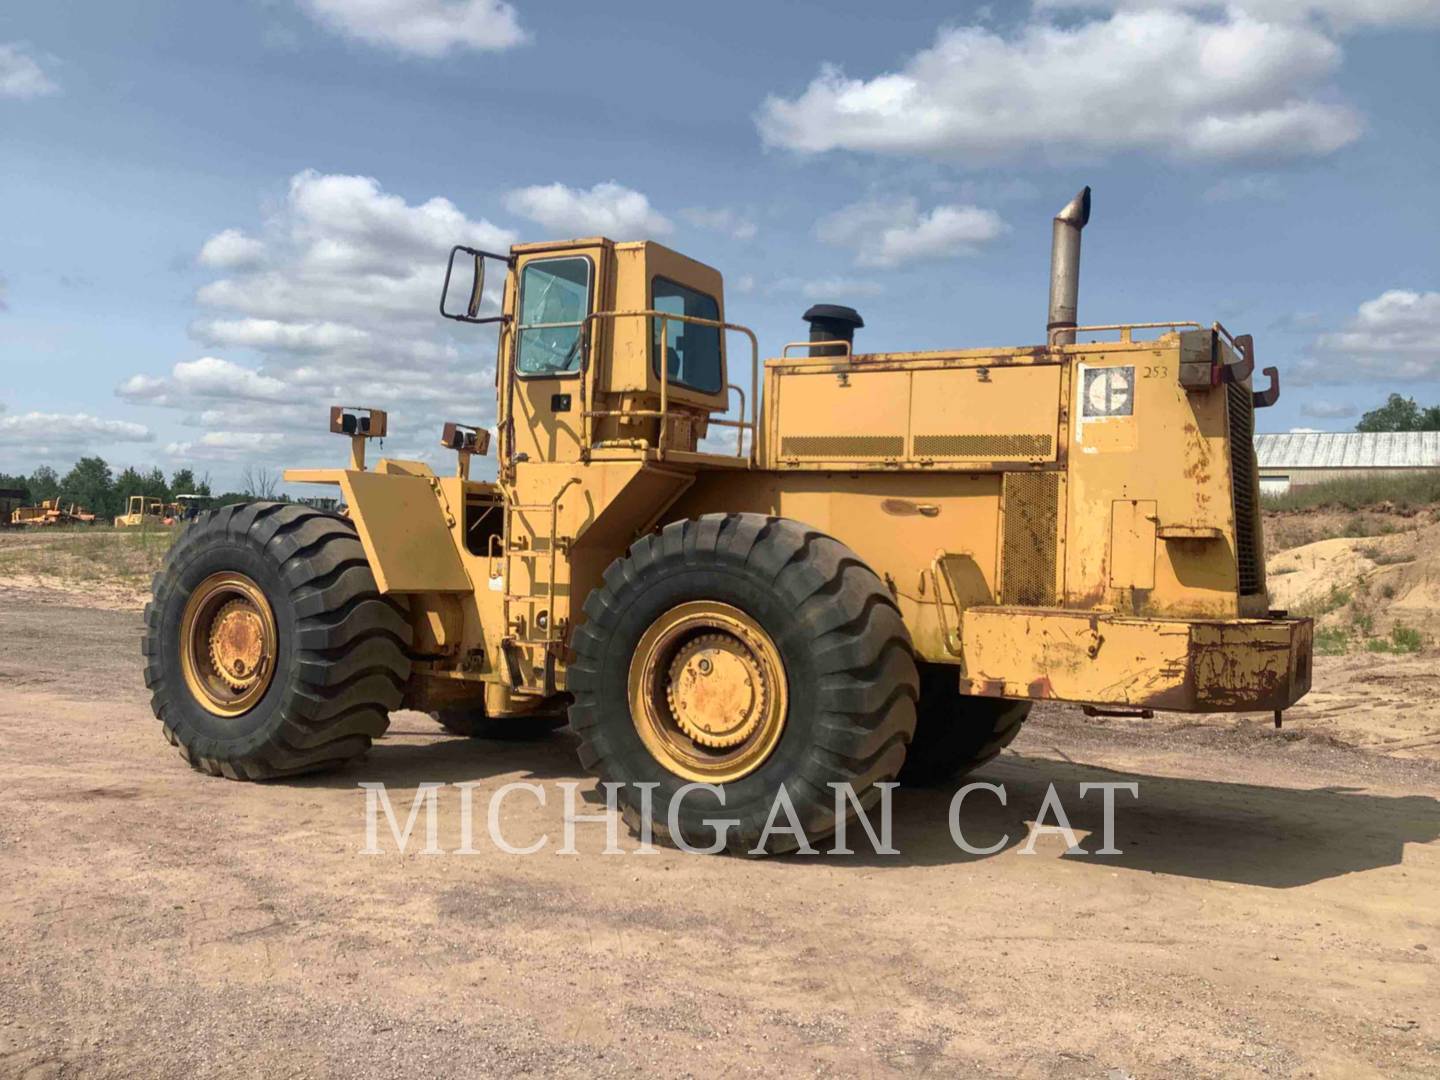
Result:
x=708 y=692
x=237 y=643
x=717 y=690
x=228 y=644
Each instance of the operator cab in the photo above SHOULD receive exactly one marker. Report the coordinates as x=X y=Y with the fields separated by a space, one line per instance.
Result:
x=609 y=350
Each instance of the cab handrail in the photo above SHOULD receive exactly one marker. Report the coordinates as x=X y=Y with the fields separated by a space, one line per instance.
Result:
x=742 y=425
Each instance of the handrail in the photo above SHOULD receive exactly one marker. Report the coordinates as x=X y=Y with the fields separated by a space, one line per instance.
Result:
x=848 y=354
x=1124 y=328
x=663 y=413
x=938 y=572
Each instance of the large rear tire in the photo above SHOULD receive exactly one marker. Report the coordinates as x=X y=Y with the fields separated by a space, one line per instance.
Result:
x=957 y=733
x=268 y=649
x=812 y=661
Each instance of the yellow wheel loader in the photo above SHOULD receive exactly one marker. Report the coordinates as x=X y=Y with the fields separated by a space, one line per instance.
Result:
x=858 y=567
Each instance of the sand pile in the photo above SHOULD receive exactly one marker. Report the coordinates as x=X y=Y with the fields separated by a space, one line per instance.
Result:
x=1366 y=584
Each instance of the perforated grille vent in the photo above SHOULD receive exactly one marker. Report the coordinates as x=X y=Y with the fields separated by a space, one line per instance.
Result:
x=1244 y=489
x=1028 y=546
x=984 y=447
x=842 y=446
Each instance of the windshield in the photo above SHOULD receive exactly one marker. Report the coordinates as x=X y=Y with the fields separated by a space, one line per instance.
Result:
x=552 y=291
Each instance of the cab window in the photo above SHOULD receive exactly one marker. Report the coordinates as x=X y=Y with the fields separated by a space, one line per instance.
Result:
x=554 y=300
x=692 y=353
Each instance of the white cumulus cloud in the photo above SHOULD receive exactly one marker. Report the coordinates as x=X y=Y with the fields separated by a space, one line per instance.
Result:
x=21 y=75
x=228 y=446
x=54 y=428
x=213 y=377
x=331 y=300
x=1395 y=336
x=607 y=209
x=274 y=334
x=888 y=233
x=231 y=249
x=426 y=28
x=1169 y=82
x=1341 y=14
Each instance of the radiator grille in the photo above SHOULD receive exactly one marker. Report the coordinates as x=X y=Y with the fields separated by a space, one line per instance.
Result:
x=1028 y=546
x=842 y=446
x=984 y=447
x=1244 y=488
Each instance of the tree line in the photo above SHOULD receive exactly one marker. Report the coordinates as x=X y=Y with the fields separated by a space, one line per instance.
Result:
x=96 y=487
x=1401 y=414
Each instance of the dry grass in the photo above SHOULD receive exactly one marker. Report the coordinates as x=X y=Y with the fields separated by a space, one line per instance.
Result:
x=1355 y=493
x=100 y=555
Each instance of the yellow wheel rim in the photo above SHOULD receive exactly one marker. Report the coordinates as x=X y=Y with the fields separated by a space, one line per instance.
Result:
x=228 y=644
x=708 y=694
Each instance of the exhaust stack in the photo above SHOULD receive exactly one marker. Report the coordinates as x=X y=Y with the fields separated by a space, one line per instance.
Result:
x=1065 y=268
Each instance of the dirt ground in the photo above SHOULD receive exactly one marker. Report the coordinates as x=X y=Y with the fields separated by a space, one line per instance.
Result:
x=1274 y=911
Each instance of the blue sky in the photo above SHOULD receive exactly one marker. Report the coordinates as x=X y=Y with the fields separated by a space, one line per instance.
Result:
x=215 y=219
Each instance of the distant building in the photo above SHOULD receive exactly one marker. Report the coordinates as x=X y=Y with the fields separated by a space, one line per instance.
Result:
x=1302 y=458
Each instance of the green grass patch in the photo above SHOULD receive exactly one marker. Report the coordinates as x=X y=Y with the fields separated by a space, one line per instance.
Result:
x=1402 y=639
x=1332 y=641
x=1314 y=607
x=1389 y=558
x=1355 y=493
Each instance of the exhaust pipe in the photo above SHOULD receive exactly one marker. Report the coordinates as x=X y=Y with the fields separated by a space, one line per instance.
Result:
x=1065 y=269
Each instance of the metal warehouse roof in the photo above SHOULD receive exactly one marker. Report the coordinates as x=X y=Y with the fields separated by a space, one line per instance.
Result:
x=1349 y=450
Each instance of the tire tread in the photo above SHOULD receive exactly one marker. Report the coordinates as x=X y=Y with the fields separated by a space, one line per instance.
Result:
x=351 y=659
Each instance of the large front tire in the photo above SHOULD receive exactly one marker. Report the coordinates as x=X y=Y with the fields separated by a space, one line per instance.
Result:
x=795 y=630
x=269 y=651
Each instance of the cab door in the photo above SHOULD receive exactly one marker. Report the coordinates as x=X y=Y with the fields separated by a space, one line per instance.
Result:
x=550 y=350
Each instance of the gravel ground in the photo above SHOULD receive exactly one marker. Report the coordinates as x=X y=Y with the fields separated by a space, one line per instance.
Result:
x=1273 y=912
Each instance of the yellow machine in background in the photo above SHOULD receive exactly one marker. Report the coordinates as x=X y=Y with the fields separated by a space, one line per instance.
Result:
x=140 y=510
x=51 y=512
x=895 y=555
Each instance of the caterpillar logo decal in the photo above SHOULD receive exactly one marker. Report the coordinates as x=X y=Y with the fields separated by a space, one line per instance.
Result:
x=1107 y=391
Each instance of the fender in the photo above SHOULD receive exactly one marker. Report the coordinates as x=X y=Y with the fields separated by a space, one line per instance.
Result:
x=403 y=523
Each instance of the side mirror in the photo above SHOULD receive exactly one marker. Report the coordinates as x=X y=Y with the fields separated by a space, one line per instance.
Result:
x=471 y=311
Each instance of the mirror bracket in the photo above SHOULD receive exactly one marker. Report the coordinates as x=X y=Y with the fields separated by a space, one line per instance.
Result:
x=466 y=440
x=471 y=312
